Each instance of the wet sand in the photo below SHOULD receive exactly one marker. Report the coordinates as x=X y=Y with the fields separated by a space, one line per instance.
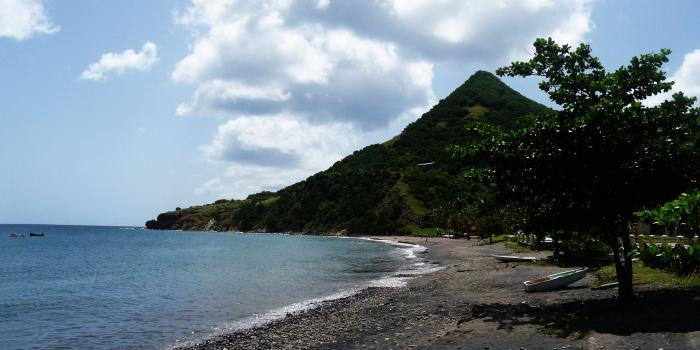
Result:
x=476 y=302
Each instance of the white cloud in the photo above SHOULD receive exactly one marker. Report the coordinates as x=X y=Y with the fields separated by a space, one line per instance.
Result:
x=211 y=186
x=323 y=4
x=238 y=181
x=121 y=62
x=355 y=61
x=22 y=19
x=686 y=78
x=216 y=94
x=278 y=141
x=268 y=152
x=457 y=30
x=358 y=71
x=318 y=73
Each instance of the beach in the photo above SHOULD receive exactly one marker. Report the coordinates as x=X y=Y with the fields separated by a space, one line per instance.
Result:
x=475 y=302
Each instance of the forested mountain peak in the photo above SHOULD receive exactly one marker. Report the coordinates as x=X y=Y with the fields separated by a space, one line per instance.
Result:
x=382 y=189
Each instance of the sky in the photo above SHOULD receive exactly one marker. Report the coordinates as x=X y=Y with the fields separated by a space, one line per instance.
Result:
x=113 y=111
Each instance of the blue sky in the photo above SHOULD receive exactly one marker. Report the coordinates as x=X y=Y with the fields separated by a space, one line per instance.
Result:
x=114 y=111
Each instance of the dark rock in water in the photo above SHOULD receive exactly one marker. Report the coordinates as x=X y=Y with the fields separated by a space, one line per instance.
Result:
x=152 y=225
x=165 y=221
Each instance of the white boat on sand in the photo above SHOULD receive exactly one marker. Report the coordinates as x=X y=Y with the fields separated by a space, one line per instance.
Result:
x=513 y=258
x=555 y=281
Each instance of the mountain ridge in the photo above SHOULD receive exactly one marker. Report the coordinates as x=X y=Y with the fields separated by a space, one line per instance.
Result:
x=379 y=189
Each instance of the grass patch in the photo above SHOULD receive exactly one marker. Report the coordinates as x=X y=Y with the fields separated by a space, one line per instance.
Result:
x=606 y=275
x=212 y=210
x=517 y=248
x=423 y=231
x=495 y=239
x=477 y=111
x=268 y=202
x=391 y=142
x=499 y=238
x=645 y=276
x=405 y=191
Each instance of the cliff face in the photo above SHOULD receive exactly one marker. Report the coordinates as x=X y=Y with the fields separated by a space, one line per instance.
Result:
x=379 y=189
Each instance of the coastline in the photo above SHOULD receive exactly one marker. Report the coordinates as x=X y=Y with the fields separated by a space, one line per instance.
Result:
x=474 y=302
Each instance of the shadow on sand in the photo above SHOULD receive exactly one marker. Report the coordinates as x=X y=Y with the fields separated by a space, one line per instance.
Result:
x=655 y=311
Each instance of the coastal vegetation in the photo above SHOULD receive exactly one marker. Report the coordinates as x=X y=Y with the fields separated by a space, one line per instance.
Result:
x=679 y=218
x=585 y=169
x=648 y=277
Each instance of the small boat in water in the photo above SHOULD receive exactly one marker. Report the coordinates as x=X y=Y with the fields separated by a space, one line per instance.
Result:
x=555 y=281
x=513 y=258
x=36 y=234
x=16 y=235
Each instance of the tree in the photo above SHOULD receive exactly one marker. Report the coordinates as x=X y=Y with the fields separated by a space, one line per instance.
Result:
x=604 y=155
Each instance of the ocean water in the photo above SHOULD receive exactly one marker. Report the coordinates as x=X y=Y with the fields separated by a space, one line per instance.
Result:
x=88 y=287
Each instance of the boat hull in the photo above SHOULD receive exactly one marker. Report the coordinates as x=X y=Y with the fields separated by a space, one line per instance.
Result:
x=555 y=281
x=512 y=258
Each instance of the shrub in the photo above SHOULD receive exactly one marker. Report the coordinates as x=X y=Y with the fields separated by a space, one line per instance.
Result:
x=582 y=246
x=681 y=260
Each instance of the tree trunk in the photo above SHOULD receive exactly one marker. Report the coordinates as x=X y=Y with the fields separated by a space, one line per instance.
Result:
x=615 y=245
x=625 y=293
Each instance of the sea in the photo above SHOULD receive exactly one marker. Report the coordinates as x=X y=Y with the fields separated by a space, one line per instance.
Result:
x=96 y=287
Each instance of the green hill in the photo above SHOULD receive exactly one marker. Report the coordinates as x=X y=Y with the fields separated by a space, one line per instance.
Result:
x=380 y=189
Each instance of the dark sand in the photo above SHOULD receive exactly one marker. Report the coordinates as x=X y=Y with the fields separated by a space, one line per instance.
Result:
x=479 y=303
